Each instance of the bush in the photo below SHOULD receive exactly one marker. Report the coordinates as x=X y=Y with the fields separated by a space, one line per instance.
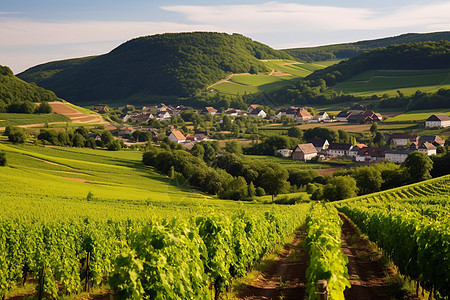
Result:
x=17 y=135
x=260 y=191
x=2 y=159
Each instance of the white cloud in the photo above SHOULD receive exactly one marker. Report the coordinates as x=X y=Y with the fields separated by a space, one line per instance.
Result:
x=292 y=17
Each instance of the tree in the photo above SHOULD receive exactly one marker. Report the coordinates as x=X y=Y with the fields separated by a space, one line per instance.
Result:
x=106 y=137
x=2 y=159
x=368 y=180
x=379 y=140
x=78 y=140
x=115 y=145
x=274 y=181
x=418 y=166
x=17 y=135
x=233 y=147
x=251 y=190
x=210 y=153
x=45 y=108
x=198 y=150
x=340 y=187
x=295 y=132
x=374 y=128
x=226 y=124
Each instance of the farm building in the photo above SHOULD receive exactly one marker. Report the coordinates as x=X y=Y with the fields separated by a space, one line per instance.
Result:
x=343 y=116
x=304 y=152
x=322 y=117
x=434 y=139
x=397 y=155
x=368 y=154
x=439 y=120
x=356 y=149
x=339 y=149
x=402 y=139
x=427 y=148
x=209 y=110
x=177 y=136
x=303 y=115
x=258 y=113
x=320 y=145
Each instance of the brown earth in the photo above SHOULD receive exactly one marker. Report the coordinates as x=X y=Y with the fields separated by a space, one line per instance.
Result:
x=349 y=127
x=370 y=277
x=285 y=278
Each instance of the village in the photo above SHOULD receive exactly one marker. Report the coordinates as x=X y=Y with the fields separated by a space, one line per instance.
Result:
x=398 y=144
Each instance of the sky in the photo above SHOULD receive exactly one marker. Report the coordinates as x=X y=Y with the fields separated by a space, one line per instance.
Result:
x=34 y=32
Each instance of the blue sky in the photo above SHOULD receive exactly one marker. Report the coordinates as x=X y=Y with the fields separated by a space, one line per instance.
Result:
x=34 y=32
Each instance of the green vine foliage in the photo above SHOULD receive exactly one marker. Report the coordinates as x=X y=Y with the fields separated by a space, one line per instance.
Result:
x=326 y=261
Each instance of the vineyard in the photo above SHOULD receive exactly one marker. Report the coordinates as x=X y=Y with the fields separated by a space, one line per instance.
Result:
x=74 y=220
x=412 y=226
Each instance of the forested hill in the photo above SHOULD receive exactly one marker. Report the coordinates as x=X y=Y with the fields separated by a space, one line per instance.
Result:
x=348 y=50
x=412 y=56
x=171 y=64
x=13 y=90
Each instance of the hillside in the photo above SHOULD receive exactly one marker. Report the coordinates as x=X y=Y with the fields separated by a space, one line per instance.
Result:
x=15 y=90
x=348 y=50
x=412 y=56
x=175 y=64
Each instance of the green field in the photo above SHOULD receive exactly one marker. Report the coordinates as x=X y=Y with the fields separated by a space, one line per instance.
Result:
x=390 y=81
x=250 y=84
x=294 y=164
x=11 y=119
x=417 y=115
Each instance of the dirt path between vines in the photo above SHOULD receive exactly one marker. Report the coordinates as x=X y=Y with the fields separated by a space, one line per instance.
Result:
x=285 y=278
x=369 y=276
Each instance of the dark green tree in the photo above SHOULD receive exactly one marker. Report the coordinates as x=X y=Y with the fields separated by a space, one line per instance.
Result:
x=45 y=108
x=295 y=132
x=2 y=159
x=340 y=187
x=368 y=180
x=17 y=135
x=233 y=147
x=418 y=166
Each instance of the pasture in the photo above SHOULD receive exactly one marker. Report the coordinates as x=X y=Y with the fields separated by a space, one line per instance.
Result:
x=417 y=115
x=388 y=82
x=13 y=119
x=283 y=72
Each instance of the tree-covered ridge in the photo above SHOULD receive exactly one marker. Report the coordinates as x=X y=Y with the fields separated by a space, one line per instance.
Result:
x=348 y=50
x=412 y=56
x=171 y=64
x=14 y=91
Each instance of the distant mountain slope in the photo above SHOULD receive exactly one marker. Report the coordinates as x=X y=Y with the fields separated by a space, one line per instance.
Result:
x=348 y=50
x=412 y=56
x=171 y=64
x=14 y=90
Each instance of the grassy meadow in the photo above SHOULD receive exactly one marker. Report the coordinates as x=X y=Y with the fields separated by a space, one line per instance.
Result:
x=388 y=82
x=417 y=115
x=283 y=72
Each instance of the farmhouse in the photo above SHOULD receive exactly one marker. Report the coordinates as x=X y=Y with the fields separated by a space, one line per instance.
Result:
x=252 y=107
x=209 y=110
x=343 y=116
x=258 y=113
x=402 y=139
x=322 y=117
x=339 y=149
x=368 y=154
x=177 y=136
x=126 y=130
x=304 y=152
x=434 y=139
x=320 y=145
x=355 y=150
x=397 y=155
x=285 y=152
x=303 y=115
x=440 y=120
x=163 y=115
x=427 y=148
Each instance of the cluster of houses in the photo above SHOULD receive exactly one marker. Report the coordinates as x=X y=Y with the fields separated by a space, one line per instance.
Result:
x=363 y=153
x=188 y=140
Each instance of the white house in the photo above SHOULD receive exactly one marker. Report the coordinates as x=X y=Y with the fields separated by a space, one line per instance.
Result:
x=439 y=120
x=322 y=116
x=427 y=148
x=398 y=155
x=177 y=136
x=354 y=151
x=401 y=139
x=163 y=115
x=258 y=113
x=320 y=145
x=339 y=149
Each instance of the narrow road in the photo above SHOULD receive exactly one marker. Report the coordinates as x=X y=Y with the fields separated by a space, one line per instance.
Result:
x=285 y=278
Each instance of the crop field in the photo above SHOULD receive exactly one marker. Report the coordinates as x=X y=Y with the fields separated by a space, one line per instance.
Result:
x=297 y=164
x=11 y=119
x=389 y=81
x=283 y=72
x=417 y=115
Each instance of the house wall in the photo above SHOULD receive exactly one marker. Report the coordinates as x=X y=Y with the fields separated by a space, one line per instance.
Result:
x=396 y=158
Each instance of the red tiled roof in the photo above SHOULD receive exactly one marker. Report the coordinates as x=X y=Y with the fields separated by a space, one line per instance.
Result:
x=178 y=135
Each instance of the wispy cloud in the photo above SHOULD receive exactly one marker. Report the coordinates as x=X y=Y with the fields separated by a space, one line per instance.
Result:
x=274 y=16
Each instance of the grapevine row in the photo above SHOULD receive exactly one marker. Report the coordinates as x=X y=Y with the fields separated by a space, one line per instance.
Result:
x=326 y=261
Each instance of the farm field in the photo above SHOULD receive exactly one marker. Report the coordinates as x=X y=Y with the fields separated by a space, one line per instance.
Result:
x=12 y=119
x=297 y=164
x=417 y=115
x=381 y=82
x=283 y=71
